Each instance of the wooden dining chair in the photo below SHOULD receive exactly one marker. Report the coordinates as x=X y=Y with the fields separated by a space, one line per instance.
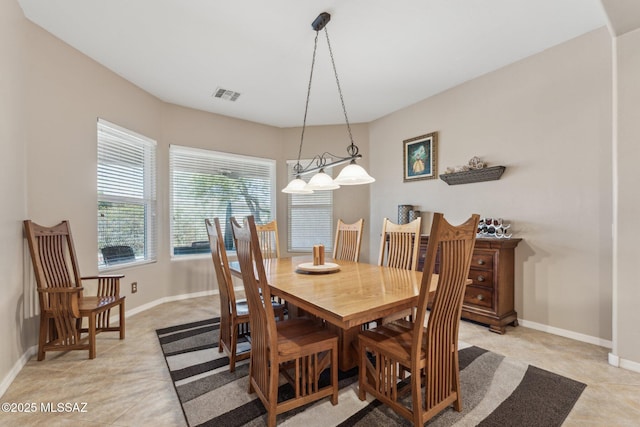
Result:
x=300 y=349
x=234 y=314
x=348 y=239
x=430 y=354
x=268 y=238
x=400 y=244
x=63 y=304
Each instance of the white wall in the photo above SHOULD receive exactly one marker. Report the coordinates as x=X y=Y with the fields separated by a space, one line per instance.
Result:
x=546 y=118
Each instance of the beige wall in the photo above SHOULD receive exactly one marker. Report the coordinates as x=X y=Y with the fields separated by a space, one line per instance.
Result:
x=17 y=330
x=548 y=120
x=627 y=319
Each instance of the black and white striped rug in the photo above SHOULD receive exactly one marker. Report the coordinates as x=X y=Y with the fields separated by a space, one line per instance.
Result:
x=496 y=391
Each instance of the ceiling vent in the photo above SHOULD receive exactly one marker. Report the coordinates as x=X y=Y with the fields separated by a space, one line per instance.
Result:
x=226 y=94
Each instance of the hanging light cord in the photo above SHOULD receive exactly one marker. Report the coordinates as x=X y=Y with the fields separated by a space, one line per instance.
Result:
x=351 y=149
x=298 y=167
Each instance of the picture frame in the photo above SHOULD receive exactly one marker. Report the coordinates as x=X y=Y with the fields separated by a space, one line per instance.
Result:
x=420 y=155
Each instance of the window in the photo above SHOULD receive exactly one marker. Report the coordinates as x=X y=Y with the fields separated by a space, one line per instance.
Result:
x=126 y=196
x=310 y=217
x=208 y=184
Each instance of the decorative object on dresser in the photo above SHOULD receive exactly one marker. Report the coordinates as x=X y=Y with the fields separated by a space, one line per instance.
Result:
x=494 y=227
x=475 y=170
x=420 y=157
x=490 y=297
x=407 y=214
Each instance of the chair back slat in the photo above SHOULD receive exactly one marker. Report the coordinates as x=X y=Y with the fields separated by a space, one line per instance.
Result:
x=400 y=244
x=53 y=253
x=261 y=315
x=268 y=238
x=348 y=240
x=440 y=344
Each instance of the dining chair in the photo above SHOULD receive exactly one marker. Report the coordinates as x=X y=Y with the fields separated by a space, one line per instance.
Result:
x=429 y=353
x=63 y=304
x=400 y=244
x=399 y=248
x=268 y=238
x=234 y=314
x=348 y=239
x=300 y=349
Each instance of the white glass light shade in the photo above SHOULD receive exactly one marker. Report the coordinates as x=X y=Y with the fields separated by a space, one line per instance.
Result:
x=354 y=174
x=297 y=186
x=322 y=181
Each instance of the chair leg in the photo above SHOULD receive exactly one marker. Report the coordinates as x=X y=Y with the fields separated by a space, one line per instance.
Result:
x=416 y=396
x=234 y=346
x=92 y=336
x=334 y=374
x=362 y=373
x=44 y=330
x=122 y=329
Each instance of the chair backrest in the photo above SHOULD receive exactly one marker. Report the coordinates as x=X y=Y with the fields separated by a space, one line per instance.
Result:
x=223 y=275
x=53 y=256
x=455 y=244
x=400 y=244
x=262 y=320
x=268 y=238
x=348 y=239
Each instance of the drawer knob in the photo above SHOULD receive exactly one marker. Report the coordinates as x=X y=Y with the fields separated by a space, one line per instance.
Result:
x=481 y=262
x=480 y=278
x=480 y=297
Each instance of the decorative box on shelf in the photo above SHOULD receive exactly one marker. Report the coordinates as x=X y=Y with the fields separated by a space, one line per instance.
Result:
x=474 y=175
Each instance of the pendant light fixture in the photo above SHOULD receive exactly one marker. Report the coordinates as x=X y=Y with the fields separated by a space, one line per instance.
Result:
x=353 y=174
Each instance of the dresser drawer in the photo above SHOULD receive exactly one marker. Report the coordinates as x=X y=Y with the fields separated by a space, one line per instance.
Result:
x=482 y=259
x=478 y=296
x=481 y=277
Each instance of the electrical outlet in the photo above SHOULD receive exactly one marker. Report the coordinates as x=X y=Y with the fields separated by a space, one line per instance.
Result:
x=134 y=287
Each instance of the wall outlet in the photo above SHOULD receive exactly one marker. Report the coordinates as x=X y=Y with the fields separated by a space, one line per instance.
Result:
x=134 y=287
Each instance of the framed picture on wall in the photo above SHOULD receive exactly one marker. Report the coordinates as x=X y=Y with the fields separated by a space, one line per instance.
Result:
x=420 y=157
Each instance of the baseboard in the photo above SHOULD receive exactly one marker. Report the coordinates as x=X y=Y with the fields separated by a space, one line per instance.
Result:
x=565 y=333
x=623 y=363
x=17 y=367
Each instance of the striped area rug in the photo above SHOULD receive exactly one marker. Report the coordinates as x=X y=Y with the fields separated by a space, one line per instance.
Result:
x=496 y=391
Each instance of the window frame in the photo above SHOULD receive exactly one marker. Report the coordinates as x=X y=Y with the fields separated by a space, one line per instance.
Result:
x=214 y=155
x=148 y=201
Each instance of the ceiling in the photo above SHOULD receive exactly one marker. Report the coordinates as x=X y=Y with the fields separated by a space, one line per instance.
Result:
x=388 y=54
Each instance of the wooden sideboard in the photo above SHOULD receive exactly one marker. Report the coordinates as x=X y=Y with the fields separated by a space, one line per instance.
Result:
x=489 y=299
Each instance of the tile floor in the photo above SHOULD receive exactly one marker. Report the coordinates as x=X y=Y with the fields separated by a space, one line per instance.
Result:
x=128 y=384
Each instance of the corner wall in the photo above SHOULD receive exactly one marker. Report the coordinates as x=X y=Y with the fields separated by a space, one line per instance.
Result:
x=546 y=118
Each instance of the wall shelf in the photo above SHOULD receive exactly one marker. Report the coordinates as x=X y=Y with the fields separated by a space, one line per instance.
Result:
x=476 y=175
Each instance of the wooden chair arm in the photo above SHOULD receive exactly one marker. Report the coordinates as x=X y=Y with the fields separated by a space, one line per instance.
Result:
x=104 y=276
x=108 y=285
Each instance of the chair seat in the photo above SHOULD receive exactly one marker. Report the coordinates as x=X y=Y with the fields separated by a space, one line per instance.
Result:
x=87 y=304
x=242 y=308
x=394 y=339
x=303 y=336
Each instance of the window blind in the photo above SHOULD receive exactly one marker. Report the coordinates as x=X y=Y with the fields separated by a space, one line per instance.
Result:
x=127 y=230
x=208 y=184
x=310 y=217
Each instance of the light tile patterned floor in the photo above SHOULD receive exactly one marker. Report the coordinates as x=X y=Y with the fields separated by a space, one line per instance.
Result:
x=128 y=384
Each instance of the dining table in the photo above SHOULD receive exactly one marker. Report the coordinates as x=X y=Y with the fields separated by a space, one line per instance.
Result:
x=346 y=295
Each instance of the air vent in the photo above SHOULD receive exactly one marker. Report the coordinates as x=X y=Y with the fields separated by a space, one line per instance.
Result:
x=226 y=94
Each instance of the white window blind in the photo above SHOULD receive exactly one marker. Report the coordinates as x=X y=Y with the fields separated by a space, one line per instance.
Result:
x=127 y=227
x=310 y=217
x=208 y=184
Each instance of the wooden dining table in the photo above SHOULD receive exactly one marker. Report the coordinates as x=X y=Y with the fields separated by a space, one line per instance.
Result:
x=356 y=294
